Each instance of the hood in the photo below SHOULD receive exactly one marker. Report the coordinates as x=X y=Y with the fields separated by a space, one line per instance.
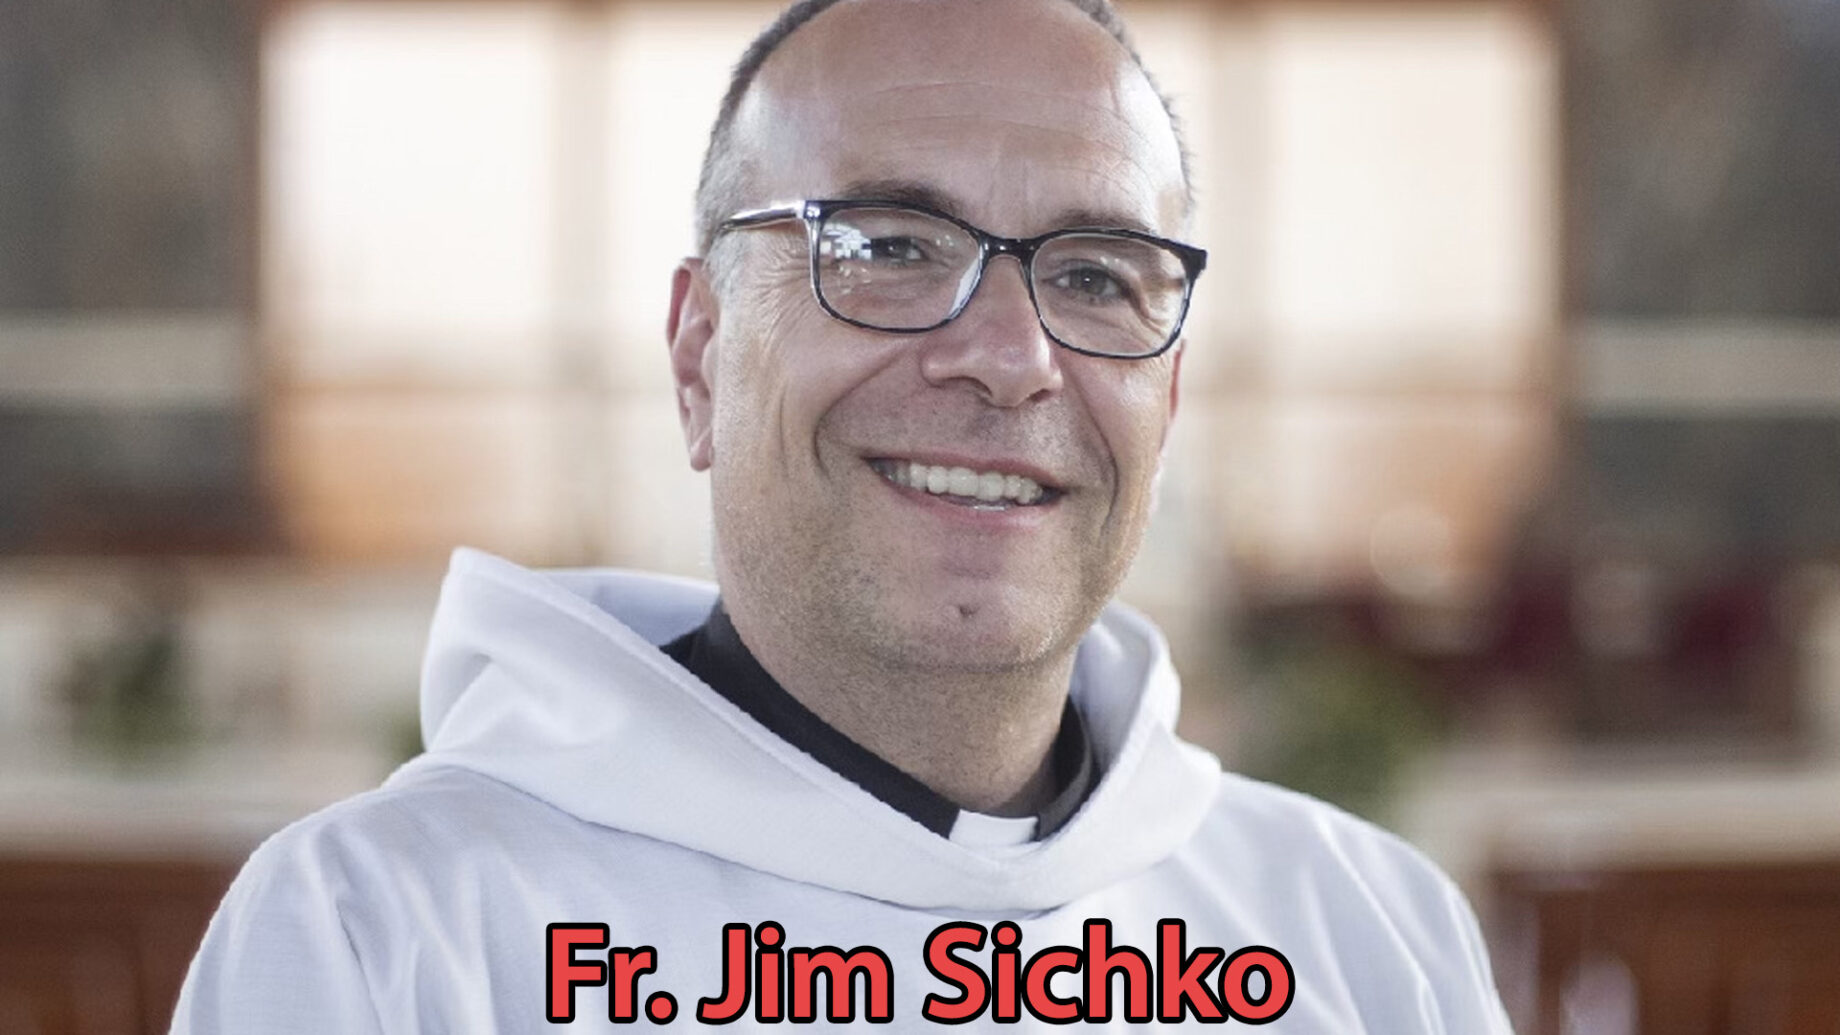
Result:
x=552 y=682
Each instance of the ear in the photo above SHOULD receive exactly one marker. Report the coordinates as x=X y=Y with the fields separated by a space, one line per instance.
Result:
x=688 y=330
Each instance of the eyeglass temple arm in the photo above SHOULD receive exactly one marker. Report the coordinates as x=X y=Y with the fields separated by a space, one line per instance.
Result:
x=759 y=216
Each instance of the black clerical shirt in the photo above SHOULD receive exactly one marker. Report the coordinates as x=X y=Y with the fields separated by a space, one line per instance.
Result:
x=714 y=653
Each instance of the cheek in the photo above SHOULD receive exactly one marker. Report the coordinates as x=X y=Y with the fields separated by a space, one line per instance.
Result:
x=758 y=316
x=1133 y=413
x=778 y=374
x=755 y=343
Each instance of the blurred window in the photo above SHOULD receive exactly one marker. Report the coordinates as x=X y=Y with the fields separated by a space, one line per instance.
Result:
x=465 y=281
x=127 y=142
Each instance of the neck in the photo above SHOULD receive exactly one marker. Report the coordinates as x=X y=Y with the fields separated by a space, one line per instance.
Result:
x=981 y=739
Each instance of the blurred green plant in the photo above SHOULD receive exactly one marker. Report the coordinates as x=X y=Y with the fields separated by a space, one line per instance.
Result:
x=1337 y=717
x=128 y=694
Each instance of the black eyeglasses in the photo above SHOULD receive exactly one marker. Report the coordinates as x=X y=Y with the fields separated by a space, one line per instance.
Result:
x=889 y=266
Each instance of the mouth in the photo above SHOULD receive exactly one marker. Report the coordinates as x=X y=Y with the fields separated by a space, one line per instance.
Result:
x=965 y=487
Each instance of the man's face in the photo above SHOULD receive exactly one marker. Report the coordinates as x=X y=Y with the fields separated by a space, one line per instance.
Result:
x=1019 y=116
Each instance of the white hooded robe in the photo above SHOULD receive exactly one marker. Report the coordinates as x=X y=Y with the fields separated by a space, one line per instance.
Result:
x=575 y=774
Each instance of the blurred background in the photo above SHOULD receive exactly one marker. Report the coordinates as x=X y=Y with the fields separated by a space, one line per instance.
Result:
x=1504 y=506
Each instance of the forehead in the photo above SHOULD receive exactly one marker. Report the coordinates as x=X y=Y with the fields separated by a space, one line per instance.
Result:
x=1018 y=111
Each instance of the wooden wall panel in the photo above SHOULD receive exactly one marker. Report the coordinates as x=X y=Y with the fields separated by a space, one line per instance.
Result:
x=1710 y=951
x=100 y=947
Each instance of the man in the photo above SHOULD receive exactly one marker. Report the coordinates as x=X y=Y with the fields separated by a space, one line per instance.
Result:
x=929 y=358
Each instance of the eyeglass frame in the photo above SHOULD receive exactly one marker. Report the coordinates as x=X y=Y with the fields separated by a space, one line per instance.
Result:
x=813 y=213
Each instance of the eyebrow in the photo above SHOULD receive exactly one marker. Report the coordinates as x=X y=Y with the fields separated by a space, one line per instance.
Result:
x=914 y=192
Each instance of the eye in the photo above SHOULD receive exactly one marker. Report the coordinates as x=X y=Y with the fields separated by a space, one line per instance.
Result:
x=1091 y=283
x=887 y=251
x=893 y=251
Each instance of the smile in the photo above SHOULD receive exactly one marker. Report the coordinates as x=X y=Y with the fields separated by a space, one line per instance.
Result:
x=994 y=490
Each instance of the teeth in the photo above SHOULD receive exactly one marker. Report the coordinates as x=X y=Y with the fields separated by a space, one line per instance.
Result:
x=983 y=486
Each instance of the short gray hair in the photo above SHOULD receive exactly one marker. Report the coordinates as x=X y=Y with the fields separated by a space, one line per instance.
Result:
x=720 y=187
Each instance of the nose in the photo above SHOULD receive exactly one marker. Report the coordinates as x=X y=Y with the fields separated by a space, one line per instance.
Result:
x=997 y=345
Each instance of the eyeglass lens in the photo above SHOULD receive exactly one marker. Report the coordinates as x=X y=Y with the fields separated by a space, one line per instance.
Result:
x=901 y=270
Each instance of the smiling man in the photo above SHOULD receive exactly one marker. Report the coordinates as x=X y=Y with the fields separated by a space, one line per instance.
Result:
x=929 y=357
x=855 y=584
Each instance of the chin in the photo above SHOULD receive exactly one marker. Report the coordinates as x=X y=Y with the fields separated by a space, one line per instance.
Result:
x=989 y=629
